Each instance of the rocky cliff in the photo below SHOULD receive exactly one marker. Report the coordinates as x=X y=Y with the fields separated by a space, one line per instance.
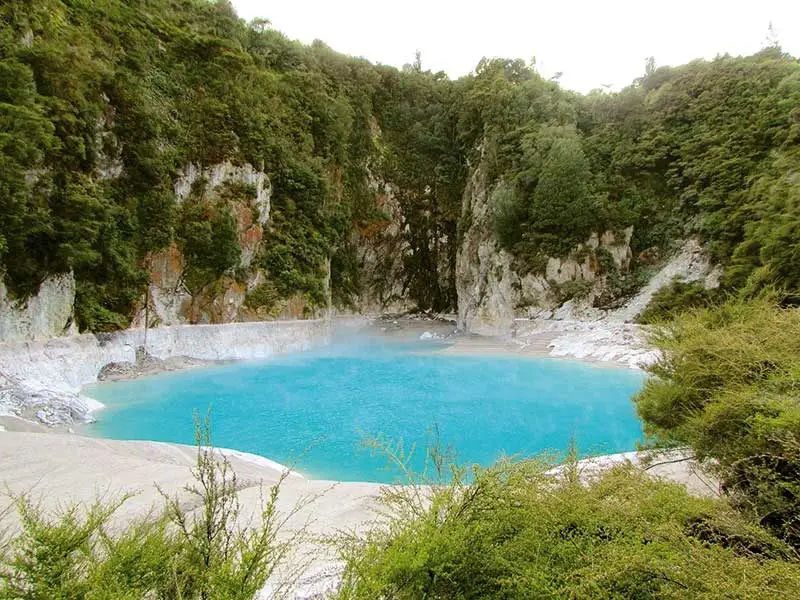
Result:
x=380 y=250
x=492 y=293
x=246 y=192
x=44 y=315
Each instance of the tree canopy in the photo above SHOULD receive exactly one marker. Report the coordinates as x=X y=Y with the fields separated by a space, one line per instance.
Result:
x=104 y=102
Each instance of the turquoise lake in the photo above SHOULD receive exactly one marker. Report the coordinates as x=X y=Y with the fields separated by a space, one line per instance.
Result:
x=313 y=411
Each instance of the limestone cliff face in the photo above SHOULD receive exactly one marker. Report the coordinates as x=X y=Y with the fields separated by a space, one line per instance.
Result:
x=491 y=294
x=45 y=315
x=380 y=247
x=168 y=302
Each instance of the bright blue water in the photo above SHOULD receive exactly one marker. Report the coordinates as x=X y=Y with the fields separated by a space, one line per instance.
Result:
x=314 y=410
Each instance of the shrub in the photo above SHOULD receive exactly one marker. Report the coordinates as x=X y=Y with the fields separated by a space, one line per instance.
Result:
x=572 y=290
x=265 y=297
x=512 y=531
x=679 y=296
x=210 y=242
x=727 y=385
x=508 y=213
x=201 y=553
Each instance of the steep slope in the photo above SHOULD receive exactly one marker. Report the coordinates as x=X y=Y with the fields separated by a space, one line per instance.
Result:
x=180 y=165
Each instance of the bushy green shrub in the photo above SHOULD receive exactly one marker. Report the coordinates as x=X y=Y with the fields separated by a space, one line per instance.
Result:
x=208 y=236
x=677 y=297
x=727 y=385
x=508 y=214
x=572 y=290
x=513 y=531
x=199 y=553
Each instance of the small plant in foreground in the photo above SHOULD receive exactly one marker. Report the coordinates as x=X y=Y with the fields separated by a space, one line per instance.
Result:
x=199 y=548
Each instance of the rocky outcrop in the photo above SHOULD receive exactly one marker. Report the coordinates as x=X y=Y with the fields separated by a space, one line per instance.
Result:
x=33 y=400
x=597 y=341
x=380 y=248
x=216 y=176
x=43 y=380
x=45 y=315
x=492 y=294
x=689 y=264
x=246 y=192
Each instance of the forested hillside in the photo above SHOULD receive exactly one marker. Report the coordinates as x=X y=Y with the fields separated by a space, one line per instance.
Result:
x=104 y=104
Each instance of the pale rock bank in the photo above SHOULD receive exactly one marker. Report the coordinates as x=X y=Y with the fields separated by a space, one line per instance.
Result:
x=495 y=300
x=42 y=380
x=51 y=468
x=44 y=315
x=611 y=336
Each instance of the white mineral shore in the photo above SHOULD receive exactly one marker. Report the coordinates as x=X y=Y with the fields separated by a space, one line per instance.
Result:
x=603 y=341
x=62 y=469
x=42 y=381
x=600 y=342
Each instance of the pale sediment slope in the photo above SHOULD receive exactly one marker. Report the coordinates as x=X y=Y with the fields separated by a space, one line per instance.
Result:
x=62 y=469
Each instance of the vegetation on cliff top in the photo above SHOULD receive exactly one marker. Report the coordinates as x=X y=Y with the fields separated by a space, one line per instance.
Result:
x=103 y=103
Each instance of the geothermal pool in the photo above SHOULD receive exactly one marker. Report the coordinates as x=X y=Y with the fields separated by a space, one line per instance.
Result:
x=313 y=411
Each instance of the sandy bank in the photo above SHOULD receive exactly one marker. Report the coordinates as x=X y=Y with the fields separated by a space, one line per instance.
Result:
x=59 y=469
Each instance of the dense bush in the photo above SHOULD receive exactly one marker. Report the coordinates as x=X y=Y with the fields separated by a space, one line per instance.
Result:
x=209 y=240
x=727 y=385
x=515 y=532
x=677 y=297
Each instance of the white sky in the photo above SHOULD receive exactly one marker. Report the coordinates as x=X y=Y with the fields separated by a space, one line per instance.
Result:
x=592 y=42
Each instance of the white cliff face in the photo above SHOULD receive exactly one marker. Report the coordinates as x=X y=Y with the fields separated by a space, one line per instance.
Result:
x=610 y=336
x=45 y=315
x=43 y=380
x=217 y=175
x=690 y=264
x=491 y=294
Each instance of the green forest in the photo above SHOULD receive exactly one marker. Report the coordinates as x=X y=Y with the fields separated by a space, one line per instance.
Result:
x=103 y=102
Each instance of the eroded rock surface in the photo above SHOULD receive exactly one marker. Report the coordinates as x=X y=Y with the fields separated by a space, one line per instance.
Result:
x=168 y=301
x=46 y=314
x=42 y=381
x=492 y=294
